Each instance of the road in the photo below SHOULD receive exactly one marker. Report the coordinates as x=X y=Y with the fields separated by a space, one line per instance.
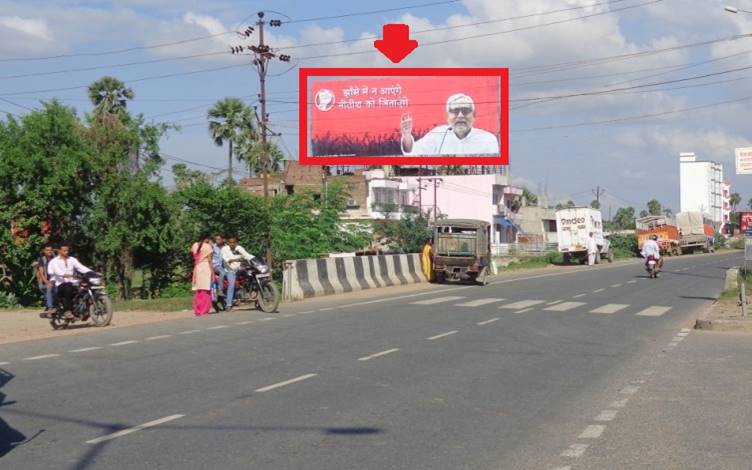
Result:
x=512 y=375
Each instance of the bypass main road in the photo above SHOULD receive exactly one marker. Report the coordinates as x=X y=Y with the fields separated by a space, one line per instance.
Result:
x=527 y=372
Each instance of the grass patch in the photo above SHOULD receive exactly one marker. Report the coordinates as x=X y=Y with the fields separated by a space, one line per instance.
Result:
x=732 y=295
x=536 y=262
x=176 y=304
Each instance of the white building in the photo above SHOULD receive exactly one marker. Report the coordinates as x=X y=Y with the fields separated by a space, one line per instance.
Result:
x=726 y=203
x=701 y=187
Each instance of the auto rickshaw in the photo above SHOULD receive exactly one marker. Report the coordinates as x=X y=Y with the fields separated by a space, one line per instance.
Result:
x=462 y=250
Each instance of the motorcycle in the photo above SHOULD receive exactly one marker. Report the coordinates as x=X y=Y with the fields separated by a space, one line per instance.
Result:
x=651 y=265
x=253 y=286
x=90 y=302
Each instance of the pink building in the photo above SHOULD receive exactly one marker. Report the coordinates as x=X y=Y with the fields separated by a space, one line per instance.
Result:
x=726 y=203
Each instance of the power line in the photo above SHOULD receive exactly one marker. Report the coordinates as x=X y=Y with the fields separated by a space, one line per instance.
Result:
x=16 y=104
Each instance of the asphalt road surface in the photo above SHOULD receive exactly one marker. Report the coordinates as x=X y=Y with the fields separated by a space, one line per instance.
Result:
x=524 y=373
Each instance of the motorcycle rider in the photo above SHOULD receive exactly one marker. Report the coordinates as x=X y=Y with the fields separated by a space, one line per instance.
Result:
x=218 y=265
x=62 y=271
x=232 y=255
x=651 y=248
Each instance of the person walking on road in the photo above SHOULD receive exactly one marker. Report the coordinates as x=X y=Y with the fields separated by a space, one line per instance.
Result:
x=202 y=252
x=45 y=283
x=426 y=259
x=592 y=249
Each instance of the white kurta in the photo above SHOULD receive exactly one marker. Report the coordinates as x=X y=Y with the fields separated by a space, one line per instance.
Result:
x=476 y=142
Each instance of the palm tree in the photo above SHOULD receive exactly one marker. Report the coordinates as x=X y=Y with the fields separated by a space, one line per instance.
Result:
x=734 y=200
x=249 y=151
x=230 y=120
x=109 y=94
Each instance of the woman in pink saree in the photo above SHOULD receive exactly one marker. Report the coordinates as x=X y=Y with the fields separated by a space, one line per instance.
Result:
x=202 y=275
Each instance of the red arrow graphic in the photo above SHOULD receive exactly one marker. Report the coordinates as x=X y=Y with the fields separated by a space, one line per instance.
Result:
x=396 y=44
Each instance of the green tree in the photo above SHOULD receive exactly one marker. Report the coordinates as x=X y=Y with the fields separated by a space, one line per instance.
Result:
x=407 y=234
x=231 y=121
x=644 y=213
x=624 y=219
x=249 y=151
x=734 y=200
x=595 y=204
x=570 y=204
x=110 y=95
x=530 y=198
x=654 y=207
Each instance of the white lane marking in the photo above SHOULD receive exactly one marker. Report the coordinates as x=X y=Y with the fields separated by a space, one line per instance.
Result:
x=629 y=390
x=607 y=415
x=565 y=306
x=140 y=427
x=286 y=382
x=686 y=330
x=524 y=310
x=522 y=304
x=593 y=431
x=379 y=354
x=269 y=318
x=4 y=363
x=677 y=338
x=325 y=309
x=609 y=308
x=555 y=302
x=218 y=327
x=43 y=356
x=437 y=300
x=481 y=323
x=615 y=285
x=188 y=332
x=479 y=302
x=287 y=315
x=152 y=338
x=93 y=348
x=654 y=311
x=683 y=334
x=247 y=322
x=306 y=312
x=632 y=282
x=672 y=344
x=638 y=381
x=619 y=403
x=400 y=297
x=125 y=343
x=578 y=296
x=598 y=290
x=442 y=335
x=575 y=451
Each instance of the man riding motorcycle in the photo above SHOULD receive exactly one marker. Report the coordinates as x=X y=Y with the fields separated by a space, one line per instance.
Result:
x=651 y=249
x=62 y=271
x=233 y=255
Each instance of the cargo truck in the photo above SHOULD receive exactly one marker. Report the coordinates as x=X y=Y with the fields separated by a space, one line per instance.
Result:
x=687 y=234
x=573 y=226
x=694 y=234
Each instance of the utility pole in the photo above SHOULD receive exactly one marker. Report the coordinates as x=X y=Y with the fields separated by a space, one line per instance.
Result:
x=597 y=193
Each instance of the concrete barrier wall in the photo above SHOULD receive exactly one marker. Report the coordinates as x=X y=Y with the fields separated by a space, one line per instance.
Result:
x=305 y=278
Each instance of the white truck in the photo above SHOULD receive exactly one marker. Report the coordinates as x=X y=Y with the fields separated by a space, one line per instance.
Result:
x=573 y=226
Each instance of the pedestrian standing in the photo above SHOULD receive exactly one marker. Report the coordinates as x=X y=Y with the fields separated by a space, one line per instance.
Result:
x=426 y=259
x=218 y=267
x=202 y=252
x=592 y=249
x=45 y=283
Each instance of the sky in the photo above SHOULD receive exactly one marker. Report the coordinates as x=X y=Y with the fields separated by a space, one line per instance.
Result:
x=653 y=78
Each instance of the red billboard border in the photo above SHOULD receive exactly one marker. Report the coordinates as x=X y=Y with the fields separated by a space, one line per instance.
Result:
x=304 y=73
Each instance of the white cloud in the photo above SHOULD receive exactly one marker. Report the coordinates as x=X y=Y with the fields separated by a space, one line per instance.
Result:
x=34 y=27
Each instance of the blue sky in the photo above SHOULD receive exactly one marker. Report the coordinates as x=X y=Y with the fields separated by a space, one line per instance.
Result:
x=634 y=160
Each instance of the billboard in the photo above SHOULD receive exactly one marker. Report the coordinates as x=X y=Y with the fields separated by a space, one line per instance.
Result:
x=745 y=222
x=744 y=161
x=404 y=116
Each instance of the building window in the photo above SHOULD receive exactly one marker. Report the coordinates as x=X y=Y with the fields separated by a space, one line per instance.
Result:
x=384 y=196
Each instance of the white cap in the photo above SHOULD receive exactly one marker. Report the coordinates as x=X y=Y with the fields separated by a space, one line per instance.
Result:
x=460 y=97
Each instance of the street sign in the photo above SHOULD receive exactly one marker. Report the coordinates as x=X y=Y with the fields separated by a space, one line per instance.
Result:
x=744 y=161
x=747 y=248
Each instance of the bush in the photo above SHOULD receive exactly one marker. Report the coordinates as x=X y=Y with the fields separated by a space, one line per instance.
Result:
x=736 y=244
x=719 y=241
x=176 y=290
x=8 y=300
x=624 y=246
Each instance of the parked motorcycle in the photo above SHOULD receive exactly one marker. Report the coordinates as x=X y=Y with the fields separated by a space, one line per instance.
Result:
x=253 y=286
x=651 y=265
x=90 y=302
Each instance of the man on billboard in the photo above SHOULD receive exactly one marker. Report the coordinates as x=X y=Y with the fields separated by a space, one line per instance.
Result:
x=458 y=137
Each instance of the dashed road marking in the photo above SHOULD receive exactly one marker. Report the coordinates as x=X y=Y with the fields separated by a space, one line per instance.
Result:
x=686 y=330
x=479 y=302
x=654 y=311
x=442 y=335
x=43 y=356
x=125 y=343
x=598 y=290
x=188 y=332
x=152 y=338
x=306 y=312
x=326 y=309
x=632 y=282
x=629 y=390
x=93 y=348
x=525 y=310
x=487 y=321
x=619 y=403
x=288 y=315
x=247 y=322
x=684 y=334
x=672 y=344
x=125 y=432
x=272 y=318
x=607 y=415
x=578 y=296
x=555 y=302
x=522 y=304
x=593 y=431
x=575 y=451
x=609 y=308
x=218 y=327
x=677 y=338
x=379 y=354
x=616 y=285
x=4 y=363
x=565 y=306
x=286 y=382
x=437 y=300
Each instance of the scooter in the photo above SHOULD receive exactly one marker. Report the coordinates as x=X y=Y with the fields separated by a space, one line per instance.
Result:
x=651 y=266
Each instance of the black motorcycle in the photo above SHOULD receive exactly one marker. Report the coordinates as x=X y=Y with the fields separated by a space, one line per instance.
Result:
x=253 y=286
x=90 y=301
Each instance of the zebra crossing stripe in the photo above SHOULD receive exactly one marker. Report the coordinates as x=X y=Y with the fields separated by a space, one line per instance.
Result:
x=609 y=308
x=437 y=300
x=523 y=304
x=479 y=302
x=654 y=311
x=564 y=306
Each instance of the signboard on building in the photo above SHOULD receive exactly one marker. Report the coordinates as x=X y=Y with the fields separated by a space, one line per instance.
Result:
x=744 y=161
x=745 y=222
